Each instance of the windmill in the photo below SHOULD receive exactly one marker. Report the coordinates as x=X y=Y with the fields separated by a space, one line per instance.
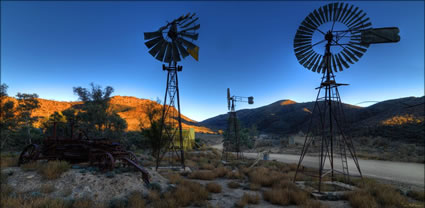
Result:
x=168 y=44
x=232 y=140
x=346 y=33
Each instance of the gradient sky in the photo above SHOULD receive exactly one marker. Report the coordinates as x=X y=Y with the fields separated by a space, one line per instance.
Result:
x=49 y=47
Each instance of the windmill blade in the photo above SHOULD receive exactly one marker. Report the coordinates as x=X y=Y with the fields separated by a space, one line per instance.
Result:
x=318 y=18
x=192 y=28
x=315 y=59
x=309 y=63
x=343 y=12
x=322 y=14
x=354 y=15
x=325 y=9
x=357 y=21
x=182 y=50
x=331 y=10
x=150 y=35
x=352 y=56
x=315 y=21
x=193 y=36
x=304 y=33
x=365 y=26
x=161 y=53
x=357 y=53
x=169 y=54
x=305 y=29
x=153 y=42
x=189 y=23
x=336 y=12
x=339 y=63
x=343 y=61
x=188 y=44
x=306 y=24
x=318 y=63
x=346 y=57
x=176 y=54
x=302 y=58
x=350 y=14
x=156 y=48
x=352 y=44
x=311 y=22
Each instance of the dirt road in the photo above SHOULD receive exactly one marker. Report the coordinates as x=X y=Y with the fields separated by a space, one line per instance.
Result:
x=409 y=173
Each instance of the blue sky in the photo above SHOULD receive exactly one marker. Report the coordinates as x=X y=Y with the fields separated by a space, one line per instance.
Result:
x=49 y=47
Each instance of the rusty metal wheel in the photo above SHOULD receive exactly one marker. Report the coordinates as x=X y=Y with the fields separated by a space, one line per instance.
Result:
x=105 y=161
x=29 y=154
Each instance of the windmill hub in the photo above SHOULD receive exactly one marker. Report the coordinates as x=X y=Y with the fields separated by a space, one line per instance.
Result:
x=329 y=36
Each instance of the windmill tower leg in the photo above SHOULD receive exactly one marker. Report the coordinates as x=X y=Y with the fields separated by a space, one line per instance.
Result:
x=168 y=125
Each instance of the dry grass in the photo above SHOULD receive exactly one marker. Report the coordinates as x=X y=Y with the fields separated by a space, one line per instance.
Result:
x=31 y=166
x=207 y=166
x=213 y=187
x=235 y=175
x=188 y=192
x=233 y=185
x=266 y=177
x=417 y=195
x=8 y=161
x=173 y=178
x=361 y=199
x=202 y=175
x=47 y=188
x=254 y=186
x=384 y=195
x=153 y=195
x=313 y=204
x=248 y=199
x=285 y=196
x=135 y=200
x=54 y=169
x=221 y=172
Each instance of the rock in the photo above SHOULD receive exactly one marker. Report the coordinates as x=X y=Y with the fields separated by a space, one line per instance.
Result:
x=30 y=176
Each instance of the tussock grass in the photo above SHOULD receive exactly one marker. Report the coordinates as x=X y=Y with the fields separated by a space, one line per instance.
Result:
x=266 y=177
x=135 y=200
x=285 y=196
x=417 y=195
x=31 y=166
x=248 y=199
x=213 y=187
x=47 y=188
x=361 y=199
x=54 y=169
x=235 y=175
x=254 y=186
x=233 y=185
x=313 y=204
x=174 y=178
x=221 y=172
x=202 y=175
x=206 y=166
x=8 y=160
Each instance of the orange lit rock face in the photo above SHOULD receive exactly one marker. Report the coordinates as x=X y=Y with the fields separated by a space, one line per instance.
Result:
x=287 y=102
x=400 y=120
x=131 y=109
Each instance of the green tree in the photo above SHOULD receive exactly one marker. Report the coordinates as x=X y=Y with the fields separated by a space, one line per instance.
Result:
x=27 y=103
x=97 y=118
x=152 y=130
x=8 y=120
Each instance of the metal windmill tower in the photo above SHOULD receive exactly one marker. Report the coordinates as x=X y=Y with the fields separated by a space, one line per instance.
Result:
x=232 y=141
x=346 y=33
x=167 y=45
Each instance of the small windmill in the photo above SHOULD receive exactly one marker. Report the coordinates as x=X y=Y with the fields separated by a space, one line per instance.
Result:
x=168 y=44
x=346 y=33
x=232 y=141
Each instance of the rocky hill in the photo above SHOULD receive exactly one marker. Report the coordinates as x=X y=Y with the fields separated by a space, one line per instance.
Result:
x=388 y=118
x=131 y=109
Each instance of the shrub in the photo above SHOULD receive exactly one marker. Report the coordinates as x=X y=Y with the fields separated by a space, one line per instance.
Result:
x=285 y=196
x=251 y=198
x=213 y=187
x=54 y=169
x=174 y=178
x=188 y=192
x=202 y=175
x=361 y=199
x=417 y=195
x=221 y=172
x=313 y=204
x=31 y=166
x=234 y=175
x=266 y=177
x=254 y=186
x=233 y=184
x=207 y=166
x=47 y=188
x=8 y=161
x=135 y=200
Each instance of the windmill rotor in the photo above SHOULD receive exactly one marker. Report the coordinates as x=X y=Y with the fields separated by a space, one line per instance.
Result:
x=349 y=41
x=174 y=41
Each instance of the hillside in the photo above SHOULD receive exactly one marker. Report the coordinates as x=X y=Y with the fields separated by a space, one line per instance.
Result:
x=130 y=108
x=387 y=118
